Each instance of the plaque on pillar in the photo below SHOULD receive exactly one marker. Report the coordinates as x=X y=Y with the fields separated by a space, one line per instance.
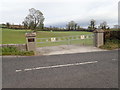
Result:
x=31 y=41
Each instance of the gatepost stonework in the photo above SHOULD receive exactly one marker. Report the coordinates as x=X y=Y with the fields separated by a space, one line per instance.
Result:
x=31 y=41
x=99 y=37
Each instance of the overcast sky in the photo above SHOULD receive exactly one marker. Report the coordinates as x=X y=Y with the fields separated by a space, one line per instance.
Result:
x=60 y=12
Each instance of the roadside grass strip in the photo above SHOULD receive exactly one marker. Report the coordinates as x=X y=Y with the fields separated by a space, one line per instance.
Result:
x=56 y=66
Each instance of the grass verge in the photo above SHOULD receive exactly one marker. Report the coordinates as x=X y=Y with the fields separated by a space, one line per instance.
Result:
x=14 y=51
x=111 y=44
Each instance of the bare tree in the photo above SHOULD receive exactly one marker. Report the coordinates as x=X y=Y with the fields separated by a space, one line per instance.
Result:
x=33 y=19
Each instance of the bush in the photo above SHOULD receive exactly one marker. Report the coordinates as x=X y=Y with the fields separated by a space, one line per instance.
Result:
x=111 y=44
x=9 y=49
x=15 y=51
x=26 y=53
x=112 y=35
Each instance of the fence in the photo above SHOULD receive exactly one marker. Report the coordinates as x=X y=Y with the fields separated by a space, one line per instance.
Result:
x=95 y=39
x=53 y=41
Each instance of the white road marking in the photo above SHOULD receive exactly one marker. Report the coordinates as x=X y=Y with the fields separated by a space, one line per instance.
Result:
x=56 y=66
x=18 y=70
x=28 y=69
x=114 y=59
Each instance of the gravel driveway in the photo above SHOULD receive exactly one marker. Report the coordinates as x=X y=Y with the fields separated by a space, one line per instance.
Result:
x=66 y=49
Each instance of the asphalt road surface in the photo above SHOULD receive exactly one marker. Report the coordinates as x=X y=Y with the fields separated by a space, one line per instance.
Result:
x=84 y=70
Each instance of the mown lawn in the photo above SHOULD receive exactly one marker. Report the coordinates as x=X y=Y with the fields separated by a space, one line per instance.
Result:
x=47 y=34
x=11 y=36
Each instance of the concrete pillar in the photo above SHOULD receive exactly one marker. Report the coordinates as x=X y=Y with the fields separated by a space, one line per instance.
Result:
x=31 y=41
x=98 y=37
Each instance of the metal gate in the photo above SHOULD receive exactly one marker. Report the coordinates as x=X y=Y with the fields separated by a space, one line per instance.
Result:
x=66 y=40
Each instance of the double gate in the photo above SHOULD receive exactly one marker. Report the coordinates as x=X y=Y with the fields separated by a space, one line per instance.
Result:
x=96 y=39
x=66 y=40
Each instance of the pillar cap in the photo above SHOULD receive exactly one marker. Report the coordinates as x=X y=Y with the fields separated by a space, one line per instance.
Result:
x=98 y=31
x=30 y=34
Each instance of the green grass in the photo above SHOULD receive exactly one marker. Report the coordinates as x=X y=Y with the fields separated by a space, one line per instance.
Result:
x=11 y=36
x=47 y=34
x=75 y=42
x=111 y=44
x=14 y=51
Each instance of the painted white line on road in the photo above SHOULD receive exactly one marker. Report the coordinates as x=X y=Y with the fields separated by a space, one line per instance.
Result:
x=56 y=66
x=28 y=69
x=114 y=59
x=18 y=70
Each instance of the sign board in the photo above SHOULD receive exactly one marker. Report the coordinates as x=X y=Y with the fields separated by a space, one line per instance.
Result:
x=82 y=37
x=53 y=39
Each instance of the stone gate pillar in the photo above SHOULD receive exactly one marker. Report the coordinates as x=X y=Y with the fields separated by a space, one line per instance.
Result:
x=98 y=37
x=31 y=41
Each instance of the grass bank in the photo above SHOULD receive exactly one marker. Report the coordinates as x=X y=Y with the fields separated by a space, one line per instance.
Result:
x=14 y=51
x=111 y=44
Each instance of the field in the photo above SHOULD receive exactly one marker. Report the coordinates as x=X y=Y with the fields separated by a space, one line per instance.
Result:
x=10 y=36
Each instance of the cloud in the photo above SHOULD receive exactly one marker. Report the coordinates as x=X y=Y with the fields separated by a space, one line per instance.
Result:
x=61 y=11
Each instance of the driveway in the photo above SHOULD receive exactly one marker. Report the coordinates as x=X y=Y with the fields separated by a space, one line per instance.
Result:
x=66 y=49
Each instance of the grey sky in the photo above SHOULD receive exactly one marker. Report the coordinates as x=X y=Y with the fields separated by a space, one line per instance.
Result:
x=59 y=12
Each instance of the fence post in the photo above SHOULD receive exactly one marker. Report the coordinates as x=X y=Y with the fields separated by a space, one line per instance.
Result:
x=31 y=41
x=98 y=37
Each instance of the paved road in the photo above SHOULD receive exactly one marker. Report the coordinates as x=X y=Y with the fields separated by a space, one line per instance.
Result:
x=84 y=70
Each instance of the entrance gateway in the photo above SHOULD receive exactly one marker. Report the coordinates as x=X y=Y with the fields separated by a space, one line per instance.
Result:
x=96 y=39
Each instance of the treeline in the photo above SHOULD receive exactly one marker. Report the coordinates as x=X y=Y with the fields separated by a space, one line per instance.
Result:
x=35 y=21
x=65 y=29
x=12 y=26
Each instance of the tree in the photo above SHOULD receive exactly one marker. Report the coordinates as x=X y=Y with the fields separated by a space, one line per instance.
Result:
x=104 y=25
x=92 y=24
x=72 y=25
x=78 y=27
x=8 y=24
x=41 y=26
x=25 y=24
x=34 y=19
x=31 y=25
